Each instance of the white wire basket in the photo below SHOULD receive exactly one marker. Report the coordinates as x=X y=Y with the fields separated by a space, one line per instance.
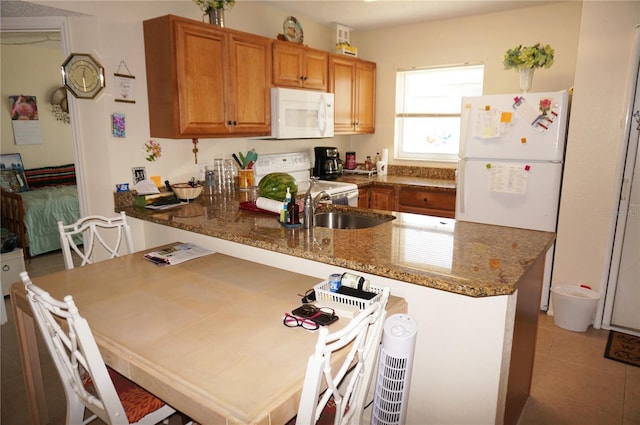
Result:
x=323 y=293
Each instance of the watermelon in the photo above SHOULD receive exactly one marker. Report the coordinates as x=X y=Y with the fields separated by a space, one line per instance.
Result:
x=274 y=186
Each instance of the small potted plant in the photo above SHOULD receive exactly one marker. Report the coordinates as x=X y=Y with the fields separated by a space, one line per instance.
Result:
x=215 y=9
x=526 y=59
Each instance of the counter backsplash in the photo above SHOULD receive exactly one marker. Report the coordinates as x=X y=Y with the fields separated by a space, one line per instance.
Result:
x=426 y=172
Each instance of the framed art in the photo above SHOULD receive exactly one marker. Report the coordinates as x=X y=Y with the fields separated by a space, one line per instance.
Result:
x=13 y=178
x=125 y=85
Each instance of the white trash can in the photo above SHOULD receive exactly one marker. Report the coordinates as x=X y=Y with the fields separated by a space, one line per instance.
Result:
x=574 y=307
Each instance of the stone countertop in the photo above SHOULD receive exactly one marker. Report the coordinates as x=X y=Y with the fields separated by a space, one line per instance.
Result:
x=465 y=258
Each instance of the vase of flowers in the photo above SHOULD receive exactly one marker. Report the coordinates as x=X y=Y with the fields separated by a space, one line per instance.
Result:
x=214 y=9
x=526 y=59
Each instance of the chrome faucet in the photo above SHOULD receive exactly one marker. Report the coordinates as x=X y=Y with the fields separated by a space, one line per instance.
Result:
x=311 y=204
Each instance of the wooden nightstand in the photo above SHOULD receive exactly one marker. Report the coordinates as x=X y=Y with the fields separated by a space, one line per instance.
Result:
x=12 y=265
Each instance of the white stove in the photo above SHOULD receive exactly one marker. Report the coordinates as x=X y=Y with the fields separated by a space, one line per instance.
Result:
x=298 y=164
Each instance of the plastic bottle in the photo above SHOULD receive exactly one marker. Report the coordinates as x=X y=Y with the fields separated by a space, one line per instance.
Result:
x=376 y=159
x=285 y=207
x=367 y=163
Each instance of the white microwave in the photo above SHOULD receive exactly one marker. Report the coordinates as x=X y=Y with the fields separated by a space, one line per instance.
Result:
x=301 y=114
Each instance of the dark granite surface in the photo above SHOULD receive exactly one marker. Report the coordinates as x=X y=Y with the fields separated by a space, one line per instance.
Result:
x=460 y=257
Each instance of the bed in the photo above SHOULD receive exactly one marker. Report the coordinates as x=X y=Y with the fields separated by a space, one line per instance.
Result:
x=34 y=200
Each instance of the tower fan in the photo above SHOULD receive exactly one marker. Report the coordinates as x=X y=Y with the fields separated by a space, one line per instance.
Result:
x=394 y=370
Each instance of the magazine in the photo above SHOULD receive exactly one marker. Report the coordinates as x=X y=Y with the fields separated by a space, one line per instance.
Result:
x=177 y=254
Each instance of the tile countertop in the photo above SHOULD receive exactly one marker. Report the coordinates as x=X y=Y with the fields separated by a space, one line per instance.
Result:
x=471 y=259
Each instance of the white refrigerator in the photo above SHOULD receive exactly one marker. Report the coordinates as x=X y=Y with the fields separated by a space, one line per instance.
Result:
x=511 y=160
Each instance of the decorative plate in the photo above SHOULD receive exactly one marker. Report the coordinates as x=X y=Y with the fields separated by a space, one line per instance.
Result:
x=292 y=30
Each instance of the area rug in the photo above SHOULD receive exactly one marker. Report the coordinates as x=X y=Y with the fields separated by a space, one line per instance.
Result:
x=623 y=348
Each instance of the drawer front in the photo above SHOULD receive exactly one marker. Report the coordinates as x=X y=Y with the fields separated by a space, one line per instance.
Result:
x=429 y=199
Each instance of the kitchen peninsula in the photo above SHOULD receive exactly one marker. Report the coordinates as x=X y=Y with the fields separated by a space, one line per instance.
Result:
x=473 y=289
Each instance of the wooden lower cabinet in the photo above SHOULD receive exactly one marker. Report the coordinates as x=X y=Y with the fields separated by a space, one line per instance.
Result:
x=427 y=201
x=363 y=197
x=416 y=200
x=377 y=197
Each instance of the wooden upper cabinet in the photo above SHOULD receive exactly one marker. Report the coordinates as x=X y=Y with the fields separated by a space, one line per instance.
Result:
x=353 y=82
x=206 y=81
x=297 y=66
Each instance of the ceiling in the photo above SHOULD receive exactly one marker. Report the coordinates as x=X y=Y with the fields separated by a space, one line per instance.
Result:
x=363 y=14
x=356 y=14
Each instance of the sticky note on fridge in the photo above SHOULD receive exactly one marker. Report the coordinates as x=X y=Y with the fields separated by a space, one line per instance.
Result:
x=487 y=107
x=506 y=117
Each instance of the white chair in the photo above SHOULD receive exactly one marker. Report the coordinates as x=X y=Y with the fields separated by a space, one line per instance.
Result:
x=87 y=381
x=96 y=227
x=347 y=384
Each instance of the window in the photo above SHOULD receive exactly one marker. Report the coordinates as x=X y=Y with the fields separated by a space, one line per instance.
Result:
x=428 y=103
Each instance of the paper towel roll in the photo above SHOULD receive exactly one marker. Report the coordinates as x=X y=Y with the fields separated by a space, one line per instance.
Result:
x=385 y=155
x=381 y=168
x=268 y=204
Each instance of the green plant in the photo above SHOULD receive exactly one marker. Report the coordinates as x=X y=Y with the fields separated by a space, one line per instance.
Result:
x=536 y=56
x=209 y=5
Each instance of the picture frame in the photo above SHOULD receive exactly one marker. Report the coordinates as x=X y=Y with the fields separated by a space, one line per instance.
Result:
x=13 y=172
x=139 y=174
x=125 y=86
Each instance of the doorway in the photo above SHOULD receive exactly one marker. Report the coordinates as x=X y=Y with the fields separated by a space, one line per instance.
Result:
x=622 y=302
x=57 y=25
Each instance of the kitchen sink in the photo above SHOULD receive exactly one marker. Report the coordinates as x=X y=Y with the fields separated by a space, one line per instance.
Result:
x=350 y=220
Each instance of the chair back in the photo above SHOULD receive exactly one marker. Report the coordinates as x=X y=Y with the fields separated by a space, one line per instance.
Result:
x=94 y=229
x=76 y=356
x=347 y=383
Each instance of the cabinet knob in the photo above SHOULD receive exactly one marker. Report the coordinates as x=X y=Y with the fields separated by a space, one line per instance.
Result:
x=425 y=200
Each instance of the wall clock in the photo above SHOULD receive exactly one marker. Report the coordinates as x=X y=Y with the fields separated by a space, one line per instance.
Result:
x=83 y=75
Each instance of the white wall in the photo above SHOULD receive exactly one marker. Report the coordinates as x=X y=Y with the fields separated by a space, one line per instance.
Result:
x=33 y=68
x=588 y=204
x=483 y=39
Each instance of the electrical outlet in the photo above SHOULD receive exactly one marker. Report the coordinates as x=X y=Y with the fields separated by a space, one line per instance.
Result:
x=200 y=169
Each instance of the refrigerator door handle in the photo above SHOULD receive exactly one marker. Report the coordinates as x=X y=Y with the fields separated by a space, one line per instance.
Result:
x=461 y=185
x=464 y=124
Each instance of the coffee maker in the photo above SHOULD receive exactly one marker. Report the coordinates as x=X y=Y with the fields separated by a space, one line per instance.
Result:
x=328 y=165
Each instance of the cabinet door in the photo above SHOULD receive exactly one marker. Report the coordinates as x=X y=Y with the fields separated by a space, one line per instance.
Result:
x=341 y=84
x=249 y=84
x=365 y=97
x=297 y=66
x=316 y=69
x=353 y=82
x=287 y=65
x=201 y=79
x=363 y=197
x=382 y=198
